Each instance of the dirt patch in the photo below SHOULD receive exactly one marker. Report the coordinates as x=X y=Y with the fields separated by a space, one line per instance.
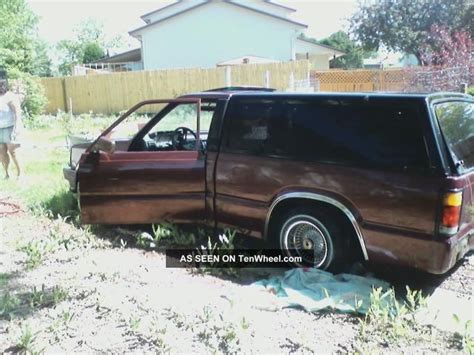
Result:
x=88 y=296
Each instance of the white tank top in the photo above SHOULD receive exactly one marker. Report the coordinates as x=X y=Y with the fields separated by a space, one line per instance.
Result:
x=6 y=115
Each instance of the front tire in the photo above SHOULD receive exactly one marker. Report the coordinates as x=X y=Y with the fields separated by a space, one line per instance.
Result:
x=312 y=235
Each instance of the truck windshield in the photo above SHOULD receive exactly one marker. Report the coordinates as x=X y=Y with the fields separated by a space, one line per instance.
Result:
x=456 y=119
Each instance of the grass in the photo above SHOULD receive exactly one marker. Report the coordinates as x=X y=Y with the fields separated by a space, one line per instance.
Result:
x=20 y=304
x=42 y=158
x=27 y=340
x=43 y=155
x=60 y=235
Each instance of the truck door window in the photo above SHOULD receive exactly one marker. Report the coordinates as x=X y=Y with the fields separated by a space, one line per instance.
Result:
x=177 y=129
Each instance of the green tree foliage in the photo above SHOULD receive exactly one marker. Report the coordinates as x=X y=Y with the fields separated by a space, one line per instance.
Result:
x=355 y=54
x=404 y=25
x=22 y=53
x=42 y=62
x=90 y=44
x=34 y=100
x=92 y=52
x=18 y=26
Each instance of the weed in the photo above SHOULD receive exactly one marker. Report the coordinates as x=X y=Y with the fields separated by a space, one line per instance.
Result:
x=464 y=340
x=37 y=297
x=388 y=319
x=45 y=298
x=27 y=340
x=219 y=334
x=59 y=236
x=165 y=235
x=134 y=323
x=67 y=317
x=225 y=245
x=4 y=279
x=159 y=337
x=8 y=305
x=35 y=251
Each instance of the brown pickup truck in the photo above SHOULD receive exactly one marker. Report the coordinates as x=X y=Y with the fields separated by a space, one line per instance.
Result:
x=382 y=177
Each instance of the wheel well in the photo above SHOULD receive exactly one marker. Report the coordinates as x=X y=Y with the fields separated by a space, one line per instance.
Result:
x=290 y=203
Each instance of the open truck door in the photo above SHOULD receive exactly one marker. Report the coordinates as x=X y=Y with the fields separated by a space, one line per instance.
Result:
x=157 y=174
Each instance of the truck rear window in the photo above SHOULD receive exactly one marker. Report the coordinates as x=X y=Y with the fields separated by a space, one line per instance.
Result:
x=456 y=119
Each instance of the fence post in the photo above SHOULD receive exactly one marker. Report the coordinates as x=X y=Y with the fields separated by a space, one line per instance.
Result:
x=65 y=104
x=292 y=82
x=228 y=76
x=267 y=79
x=382 y=81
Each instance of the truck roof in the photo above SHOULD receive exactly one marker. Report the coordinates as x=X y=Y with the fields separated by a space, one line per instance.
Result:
x=250 y=92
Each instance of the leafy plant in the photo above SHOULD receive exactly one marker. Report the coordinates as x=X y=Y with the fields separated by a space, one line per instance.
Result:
x=225 y=245
x=34 y=100
x=8 y=305
x=464 y=339
x=43 y=297
x=165 y=234
x=389 y=319
x=35 y=252
x=134 y=323
x=27 y=340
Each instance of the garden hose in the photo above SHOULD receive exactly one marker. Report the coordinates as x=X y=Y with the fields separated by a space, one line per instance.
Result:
x=8 y=208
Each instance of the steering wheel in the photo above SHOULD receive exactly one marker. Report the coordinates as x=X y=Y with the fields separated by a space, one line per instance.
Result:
x=180 y=137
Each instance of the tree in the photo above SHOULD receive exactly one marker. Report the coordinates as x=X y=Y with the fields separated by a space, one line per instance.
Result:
x=404 y=25
x=22 y=53
x=17 y=35
x=447 y=48
x=450 y=54
x=92 y=52
x=41 y=62
x=355 y=54
x=90 y=44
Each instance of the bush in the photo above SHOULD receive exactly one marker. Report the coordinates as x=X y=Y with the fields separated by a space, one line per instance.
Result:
x=26 y=84
x=470 y=90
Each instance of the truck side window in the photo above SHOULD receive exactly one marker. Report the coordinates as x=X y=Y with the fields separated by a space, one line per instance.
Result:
x=248 y=125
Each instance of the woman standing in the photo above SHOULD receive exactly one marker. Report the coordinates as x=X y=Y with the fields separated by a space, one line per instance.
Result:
x=10 y=120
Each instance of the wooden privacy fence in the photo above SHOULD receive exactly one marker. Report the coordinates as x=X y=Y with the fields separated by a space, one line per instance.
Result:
x=361 y=80
x=112 y=93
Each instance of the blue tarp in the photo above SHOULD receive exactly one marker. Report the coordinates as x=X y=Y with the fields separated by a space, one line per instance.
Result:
x=316 y=290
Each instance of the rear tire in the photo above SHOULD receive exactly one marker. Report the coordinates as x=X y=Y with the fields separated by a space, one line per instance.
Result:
x=304 y=231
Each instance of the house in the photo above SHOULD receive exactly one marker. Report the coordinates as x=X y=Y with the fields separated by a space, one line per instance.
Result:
x=211 y=33
x=386 y=59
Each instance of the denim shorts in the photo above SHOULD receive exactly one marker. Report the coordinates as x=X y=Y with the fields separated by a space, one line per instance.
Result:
x=6 y=134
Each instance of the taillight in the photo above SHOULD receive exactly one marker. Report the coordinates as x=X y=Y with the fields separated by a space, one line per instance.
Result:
x=450 y=213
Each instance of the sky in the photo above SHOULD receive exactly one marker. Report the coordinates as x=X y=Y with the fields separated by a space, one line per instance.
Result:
x=59 y=17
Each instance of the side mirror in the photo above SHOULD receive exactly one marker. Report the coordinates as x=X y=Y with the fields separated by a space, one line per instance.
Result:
x=105 y=145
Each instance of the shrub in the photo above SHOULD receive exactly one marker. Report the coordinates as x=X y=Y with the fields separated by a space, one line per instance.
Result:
x=25 y=84
x=470 y=90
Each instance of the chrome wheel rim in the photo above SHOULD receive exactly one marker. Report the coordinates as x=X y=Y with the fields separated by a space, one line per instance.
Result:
x=308 y=241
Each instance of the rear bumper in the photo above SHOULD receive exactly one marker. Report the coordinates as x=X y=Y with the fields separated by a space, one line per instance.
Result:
x=435 y=255
x=70 y=175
